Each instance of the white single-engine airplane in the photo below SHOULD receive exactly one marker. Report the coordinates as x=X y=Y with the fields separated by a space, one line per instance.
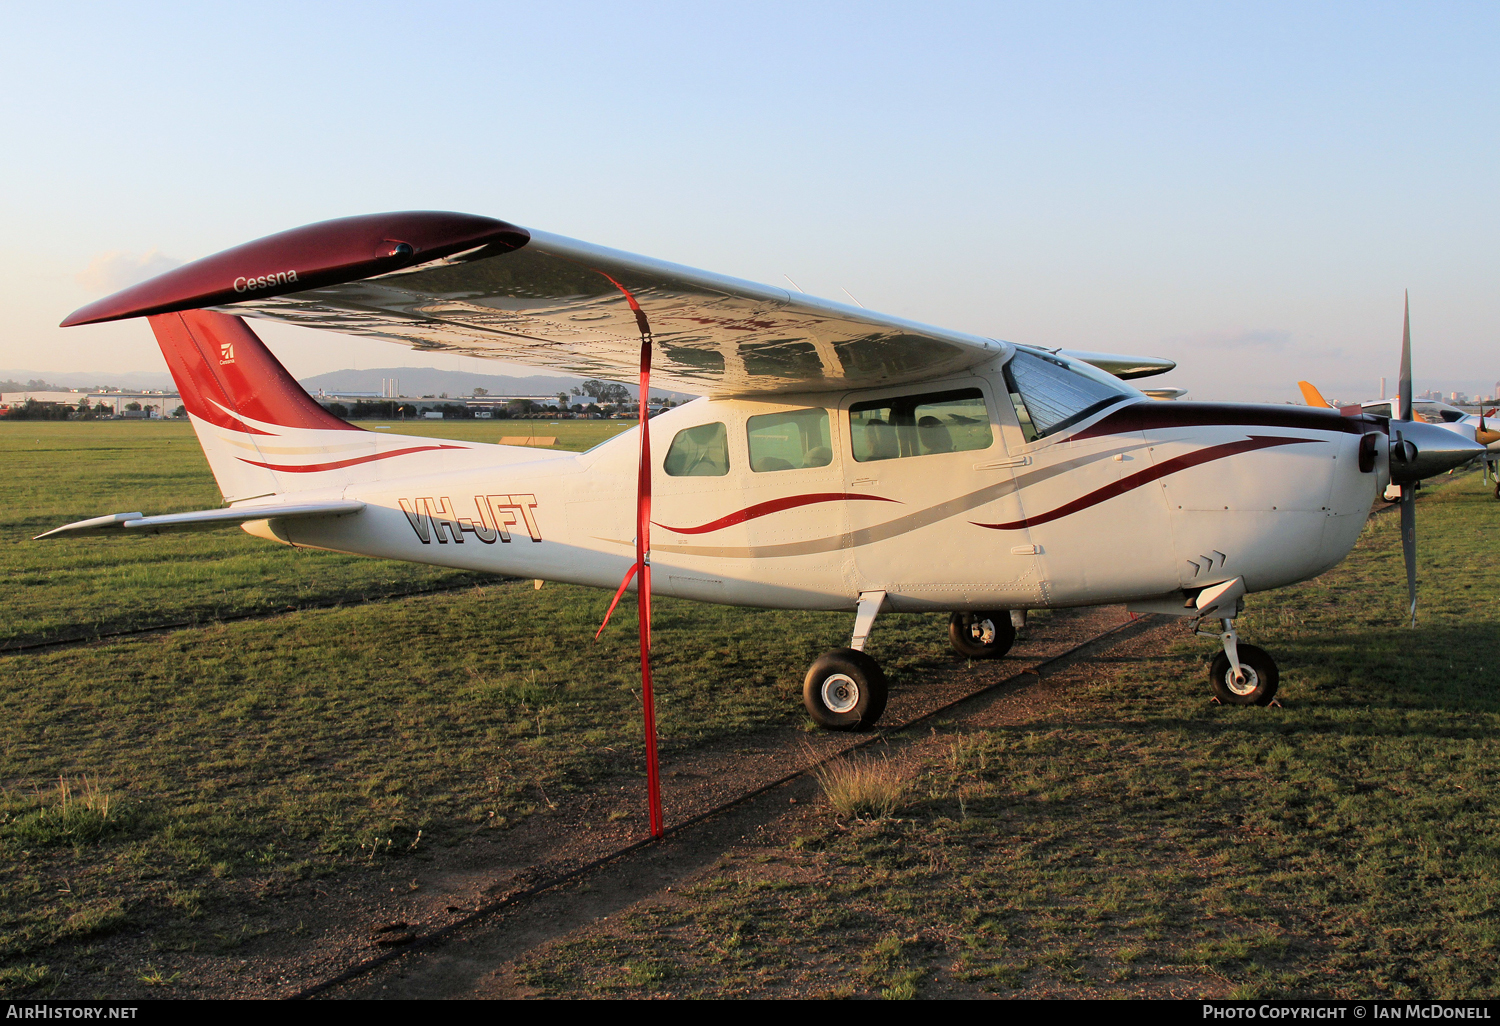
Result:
x=841 y=459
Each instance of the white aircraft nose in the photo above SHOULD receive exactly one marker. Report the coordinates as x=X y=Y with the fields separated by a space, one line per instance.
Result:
x=1426 y=450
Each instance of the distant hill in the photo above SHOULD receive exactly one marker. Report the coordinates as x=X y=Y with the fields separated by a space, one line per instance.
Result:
x=419 y=381
x=128 y=380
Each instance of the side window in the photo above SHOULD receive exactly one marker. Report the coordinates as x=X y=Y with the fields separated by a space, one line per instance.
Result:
x=920 y=425
x=701 y=451
x=790 y=440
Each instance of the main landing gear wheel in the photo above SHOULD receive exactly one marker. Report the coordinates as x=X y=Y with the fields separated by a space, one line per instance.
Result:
x=1257 y=686
x=981 y=635
x=844 y=690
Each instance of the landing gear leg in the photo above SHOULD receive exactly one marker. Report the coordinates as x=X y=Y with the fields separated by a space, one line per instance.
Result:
x=1241 y=674
x=846 y=689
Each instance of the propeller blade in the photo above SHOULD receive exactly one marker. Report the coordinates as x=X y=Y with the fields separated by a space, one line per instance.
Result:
x=1404 y=388
x=1312 y=396
x=1409 y=543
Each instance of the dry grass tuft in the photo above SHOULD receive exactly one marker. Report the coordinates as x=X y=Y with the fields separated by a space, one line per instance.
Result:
x=865 y=788
x=73 y=813
x=88 y=796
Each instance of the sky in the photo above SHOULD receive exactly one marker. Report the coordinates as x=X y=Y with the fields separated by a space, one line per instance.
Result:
x=1245 y=188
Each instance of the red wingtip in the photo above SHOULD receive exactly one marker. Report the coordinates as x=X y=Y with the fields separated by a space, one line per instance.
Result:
x=310 y=257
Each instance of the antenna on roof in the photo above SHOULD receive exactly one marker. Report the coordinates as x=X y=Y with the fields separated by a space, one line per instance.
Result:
x=799 y=288
x=851 y=296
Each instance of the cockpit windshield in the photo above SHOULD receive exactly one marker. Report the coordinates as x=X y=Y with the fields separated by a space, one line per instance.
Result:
x=1051 y=393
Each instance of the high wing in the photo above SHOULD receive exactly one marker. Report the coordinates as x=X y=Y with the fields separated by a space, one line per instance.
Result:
x=484 y=288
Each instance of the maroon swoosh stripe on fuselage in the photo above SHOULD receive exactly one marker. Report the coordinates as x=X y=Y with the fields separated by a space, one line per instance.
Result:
x=762 y=509
x=293 y=468
x=1152 y=416
x=1134 y=481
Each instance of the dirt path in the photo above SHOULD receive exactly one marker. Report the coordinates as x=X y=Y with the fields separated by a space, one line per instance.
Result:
x=477 y=960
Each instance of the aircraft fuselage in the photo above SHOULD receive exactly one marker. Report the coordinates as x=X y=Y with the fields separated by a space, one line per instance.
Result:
x=1138 y=501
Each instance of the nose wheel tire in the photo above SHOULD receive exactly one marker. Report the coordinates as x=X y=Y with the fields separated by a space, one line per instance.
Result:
x=844 y=690
x=981 y=635
x=1257 y=686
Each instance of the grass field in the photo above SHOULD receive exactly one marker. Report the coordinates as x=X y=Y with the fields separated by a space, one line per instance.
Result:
x=170 y=786
x=58 y=472
x=236 y=758
x=1143 y=841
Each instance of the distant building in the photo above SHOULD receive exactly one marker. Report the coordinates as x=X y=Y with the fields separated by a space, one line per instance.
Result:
x=153 y=405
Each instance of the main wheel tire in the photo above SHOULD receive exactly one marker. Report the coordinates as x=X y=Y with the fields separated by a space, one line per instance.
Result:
x=844 y=690
x=1259 y=684
x=981 y=635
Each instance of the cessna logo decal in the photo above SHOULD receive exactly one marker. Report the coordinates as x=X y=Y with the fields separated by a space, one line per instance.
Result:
x=434 y=518
x=226 y=353
x=264 y=281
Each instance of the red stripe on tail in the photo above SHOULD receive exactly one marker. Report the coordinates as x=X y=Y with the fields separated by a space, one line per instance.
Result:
x=219 y=364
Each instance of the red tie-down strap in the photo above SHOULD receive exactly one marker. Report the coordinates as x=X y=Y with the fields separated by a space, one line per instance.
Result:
x=642 y=566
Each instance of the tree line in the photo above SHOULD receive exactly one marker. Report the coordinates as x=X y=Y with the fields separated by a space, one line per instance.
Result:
x=84 y=410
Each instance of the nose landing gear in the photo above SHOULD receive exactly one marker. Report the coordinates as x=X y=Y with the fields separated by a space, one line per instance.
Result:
x=1241 y=674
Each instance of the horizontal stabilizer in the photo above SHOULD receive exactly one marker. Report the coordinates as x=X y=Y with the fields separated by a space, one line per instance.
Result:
x=202 y=520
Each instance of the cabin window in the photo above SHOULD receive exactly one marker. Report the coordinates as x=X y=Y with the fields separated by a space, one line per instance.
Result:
x=1050 y=393
x=920 y=425
x=701 y=451
x=790 y=440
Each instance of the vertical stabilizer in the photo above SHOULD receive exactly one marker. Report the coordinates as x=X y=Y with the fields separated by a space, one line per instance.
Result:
x=264 y=435
x=242 y=402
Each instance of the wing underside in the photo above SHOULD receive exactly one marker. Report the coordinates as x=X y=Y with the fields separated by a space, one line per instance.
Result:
x=475 y=286
x=577 y=308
